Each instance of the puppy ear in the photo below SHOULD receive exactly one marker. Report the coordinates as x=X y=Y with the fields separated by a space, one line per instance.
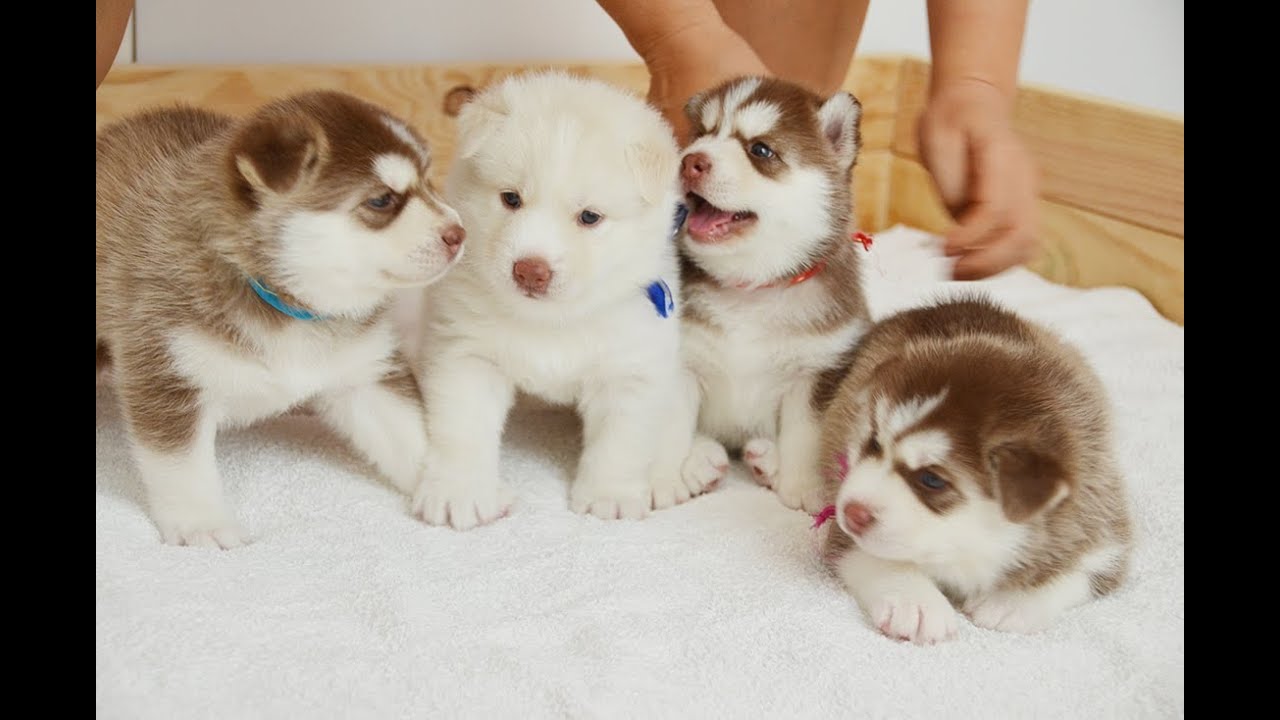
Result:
x=839 y=118
x=1029 y=481
x=693 y=109
x=654 y=168
x=478 y=121
x=457 y=98
x=276 y=155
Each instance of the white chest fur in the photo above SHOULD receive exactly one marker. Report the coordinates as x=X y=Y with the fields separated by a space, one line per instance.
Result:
x=285 y=369
x=752 y=350
x=557 y=360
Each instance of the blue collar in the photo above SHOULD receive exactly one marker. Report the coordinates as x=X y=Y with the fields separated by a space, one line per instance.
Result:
x=664 y=301
x=274 y=301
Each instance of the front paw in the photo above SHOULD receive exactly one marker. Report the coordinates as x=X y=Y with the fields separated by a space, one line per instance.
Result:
x=671 y=489
x=761 y=455
x=459 y=504
x=798 y=490
x=1010 y=611
x=610 y=501
x=917 y=612
x=704 y=467
x=199 y=527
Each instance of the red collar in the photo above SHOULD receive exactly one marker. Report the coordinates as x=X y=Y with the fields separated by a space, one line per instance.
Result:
x=808 y=273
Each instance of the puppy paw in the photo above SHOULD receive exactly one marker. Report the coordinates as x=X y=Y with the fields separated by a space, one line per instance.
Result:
x=669 y=491
x=1011 y=611
x=705 y=467
x=460 y=505
x=610 y=501
x=761 y=456
x=916 y=612
x=800 y=491
x=209 y=528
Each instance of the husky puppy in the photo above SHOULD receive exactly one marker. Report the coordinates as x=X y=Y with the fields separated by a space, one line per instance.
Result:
x=243 y=268
x=772 y=292
x=969 y=453
x=568 y=188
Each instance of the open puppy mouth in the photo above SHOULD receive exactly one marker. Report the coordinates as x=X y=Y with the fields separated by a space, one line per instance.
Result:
x=707 y=223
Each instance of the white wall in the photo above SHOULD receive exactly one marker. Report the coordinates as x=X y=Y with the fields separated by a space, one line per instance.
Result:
x=1126 y=50
x=124 y=55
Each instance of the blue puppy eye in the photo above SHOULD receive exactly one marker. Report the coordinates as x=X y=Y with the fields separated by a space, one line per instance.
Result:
x=588 y=218
x=761 y=150
x=511 y=199
x=382 y=202
x=931 y=480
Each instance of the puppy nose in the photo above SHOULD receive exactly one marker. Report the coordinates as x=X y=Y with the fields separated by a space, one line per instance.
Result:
x=533 y=275
x=452 y=237
x=694 y=166
x=858 y=517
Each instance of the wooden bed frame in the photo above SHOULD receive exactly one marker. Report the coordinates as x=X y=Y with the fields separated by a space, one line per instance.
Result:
x=1111 y=176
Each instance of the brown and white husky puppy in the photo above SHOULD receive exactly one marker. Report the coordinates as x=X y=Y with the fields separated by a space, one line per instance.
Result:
x=970 y=457
x=244 y=266
x=772 y=292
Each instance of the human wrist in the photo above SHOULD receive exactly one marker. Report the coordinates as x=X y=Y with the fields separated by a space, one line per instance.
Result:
x=655 y=30
x=972 y=89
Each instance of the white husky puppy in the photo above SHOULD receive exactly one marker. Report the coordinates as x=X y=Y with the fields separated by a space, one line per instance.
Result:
x=567 y=187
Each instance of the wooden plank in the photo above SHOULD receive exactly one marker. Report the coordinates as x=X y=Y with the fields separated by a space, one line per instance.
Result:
x=871 y=189
x=1083 y=249
x=1079 y=248
x=874 y=81
x=415 y=92
x=1098 y=156
x=418 y=90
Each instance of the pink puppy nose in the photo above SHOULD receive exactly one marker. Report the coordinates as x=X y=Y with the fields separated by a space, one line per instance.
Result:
x=452 y=238
x=694 y=166
x=857 y=517
x=533 y=275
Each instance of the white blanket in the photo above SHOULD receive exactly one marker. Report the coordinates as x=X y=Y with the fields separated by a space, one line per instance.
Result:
x=344 y=606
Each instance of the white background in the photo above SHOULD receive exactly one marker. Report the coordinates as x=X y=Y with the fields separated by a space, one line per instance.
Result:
x=1125 y=50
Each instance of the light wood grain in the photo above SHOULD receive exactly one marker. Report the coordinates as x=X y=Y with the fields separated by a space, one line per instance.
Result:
x=415 y=93
x=1078 y=248
x=871 y=189
x=1097 y=156
x=874 y=81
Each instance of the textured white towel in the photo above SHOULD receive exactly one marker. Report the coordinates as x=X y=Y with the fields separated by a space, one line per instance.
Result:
x=346 y=607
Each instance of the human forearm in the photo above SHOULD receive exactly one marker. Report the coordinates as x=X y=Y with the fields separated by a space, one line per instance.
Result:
x=977 y=40
x=652 y=25
x=687 y=48
x=112 y=19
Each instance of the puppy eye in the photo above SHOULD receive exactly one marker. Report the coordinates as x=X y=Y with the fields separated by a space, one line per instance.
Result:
x=511 y=199
x=761 y=150
x=381 y=202
x=931 y=480
x=588 y=218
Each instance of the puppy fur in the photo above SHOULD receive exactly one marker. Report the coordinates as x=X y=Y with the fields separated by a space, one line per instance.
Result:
x=568 y=187
x=767 y=179
x=322 y=198
x=969 y=453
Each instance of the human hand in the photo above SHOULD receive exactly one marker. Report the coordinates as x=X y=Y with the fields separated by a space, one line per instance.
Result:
x=985 y=176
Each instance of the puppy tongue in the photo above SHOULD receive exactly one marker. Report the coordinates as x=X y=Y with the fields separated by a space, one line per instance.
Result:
x=708 y=220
